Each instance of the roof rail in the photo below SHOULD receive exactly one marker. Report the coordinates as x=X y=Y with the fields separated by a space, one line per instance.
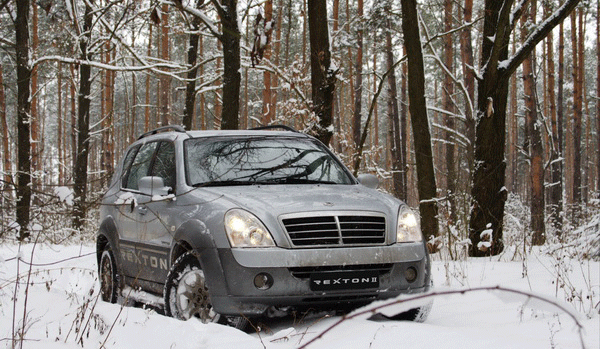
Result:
x=272 y=127
x=176 y=128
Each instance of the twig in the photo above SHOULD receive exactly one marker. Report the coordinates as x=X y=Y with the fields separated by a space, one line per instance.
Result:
x=433 y=294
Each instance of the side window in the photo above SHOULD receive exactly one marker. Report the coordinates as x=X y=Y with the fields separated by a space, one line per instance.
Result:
x=127 y=164
x=164 y=164
x=140 y=165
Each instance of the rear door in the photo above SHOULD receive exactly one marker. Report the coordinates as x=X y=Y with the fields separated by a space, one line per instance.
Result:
x=130 y=211
x=156 y=218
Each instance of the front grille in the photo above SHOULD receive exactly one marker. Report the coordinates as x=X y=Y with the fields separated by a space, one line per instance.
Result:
x=342 y=230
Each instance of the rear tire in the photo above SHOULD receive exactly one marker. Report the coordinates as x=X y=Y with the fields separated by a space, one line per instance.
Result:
x=186 y=294
x=109 y=279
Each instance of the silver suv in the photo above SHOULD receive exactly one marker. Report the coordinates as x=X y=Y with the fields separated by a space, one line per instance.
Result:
x=230 y=225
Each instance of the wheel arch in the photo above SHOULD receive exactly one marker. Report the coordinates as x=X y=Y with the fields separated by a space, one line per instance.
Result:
x=107 y=235
x=194 y=236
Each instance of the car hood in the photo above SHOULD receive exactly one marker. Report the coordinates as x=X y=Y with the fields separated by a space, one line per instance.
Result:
x=275 y=200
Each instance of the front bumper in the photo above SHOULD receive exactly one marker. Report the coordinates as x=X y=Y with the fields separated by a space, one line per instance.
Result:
x=291 y=269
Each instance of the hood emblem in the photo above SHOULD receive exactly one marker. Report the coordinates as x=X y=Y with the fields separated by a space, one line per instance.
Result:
x=328 y=204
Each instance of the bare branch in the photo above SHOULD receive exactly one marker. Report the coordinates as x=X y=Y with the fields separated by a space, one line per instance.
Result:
x=528 y=297
x=536 y=36
x=107 y=66
x=517 y=13
x=212 y=27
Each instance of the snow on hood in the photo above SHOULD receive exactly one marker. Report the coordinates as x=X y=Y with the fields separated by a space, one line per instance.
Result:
x=282 y=199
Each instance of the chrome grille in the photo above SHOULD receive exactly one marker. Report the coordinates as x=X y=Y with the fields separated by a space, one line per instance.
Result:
x=335 y=230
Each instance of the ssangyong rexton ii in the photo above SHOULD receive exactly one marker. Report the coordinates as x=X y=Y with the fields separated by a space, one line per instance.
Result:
x=230 y=225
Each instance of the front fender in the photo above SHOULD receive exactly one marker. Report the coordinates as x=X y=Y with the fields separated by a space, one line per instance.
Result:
x=196 y=235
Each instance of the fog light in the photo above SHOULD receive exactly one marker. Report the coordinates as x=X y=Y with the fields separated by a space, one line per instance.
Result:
x=410 y=274
x=263 y=281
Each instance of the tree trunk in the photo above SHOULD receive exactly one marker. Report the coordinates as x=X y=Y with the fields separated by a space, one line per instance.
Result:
x=107 y=115
x=357 y=116
x=394 y=120
x=598 y=97
x=59 y=127
x=560 y=107
x=513 y=134
x=577 y=116
x=288 y=31
x=147 y=99
x=83 y=125
x=337 y=104
x=165 y=80
x=489 y=193
x=555 y=200
x=420 y=124
x=202 y=96
x=375 y=133
x=276 y=60
x=267 y=113
x=23 y=189
x=190 y=84
x=231 y=65
x=535 y=138
x=322 y=76
x=404 y=133
x=448 y=105
x=469 y=78
x=6 y=160
x=584 y=104
x=36 y=162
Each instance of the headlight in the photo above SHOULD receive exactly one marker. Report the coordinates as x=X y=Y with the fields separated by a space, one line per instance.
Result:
x=408 y=229
x=245 y=230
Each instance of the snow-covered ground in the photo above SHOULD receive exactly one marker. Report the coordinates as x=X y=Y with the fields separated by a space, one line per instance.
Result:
x=59 y=297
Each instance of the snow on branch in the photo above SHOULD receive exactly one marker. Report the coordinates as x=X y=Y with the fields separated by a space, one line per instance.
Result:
x=537 y=35
x=212 y=26
x=517 y=13
x=107 y=66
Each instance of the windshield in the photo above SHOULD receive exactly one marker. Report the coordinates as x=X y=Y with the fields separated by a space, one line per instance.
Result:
x=260 y=160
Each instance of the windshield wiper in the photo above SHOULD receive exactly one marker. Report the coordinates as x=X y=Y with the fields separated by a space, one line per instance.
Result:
x=227 y=183
x=296 y=180
x=274 y=181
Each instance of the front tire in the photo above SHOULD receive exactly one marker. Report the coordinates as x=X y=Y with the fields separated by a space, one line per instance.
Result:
x=419 y=314
x=186 y=294
x=109 y=279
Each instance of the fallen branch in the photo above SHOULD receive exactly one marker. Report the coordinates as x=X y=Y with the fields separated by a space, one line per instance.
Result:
x=528 y=297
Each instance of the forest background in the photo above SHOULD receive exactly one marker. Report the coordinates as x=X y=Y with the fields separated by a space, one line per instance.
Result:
x=81 y=79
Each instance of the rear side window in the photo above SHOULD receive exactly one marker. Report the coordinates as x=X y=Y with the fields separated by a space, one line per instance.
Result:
x=127 y=165
x=164 y=164
x=141 y=165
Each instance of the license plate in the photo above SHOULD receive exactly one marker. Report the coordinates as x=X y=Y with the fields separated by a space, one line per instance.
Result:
x=350 y=280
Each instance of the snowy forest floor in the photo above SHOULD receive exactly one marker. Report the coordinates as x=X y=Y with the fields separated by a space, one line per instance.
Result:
x=55 y=288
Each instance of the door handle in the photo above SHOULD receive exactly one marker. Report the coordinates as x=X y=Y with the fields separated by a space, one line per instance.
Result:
x=142 y=210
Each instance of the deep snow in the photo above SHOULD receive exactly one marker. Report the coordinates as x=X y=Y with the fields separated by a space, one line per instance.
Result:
x=62 y=309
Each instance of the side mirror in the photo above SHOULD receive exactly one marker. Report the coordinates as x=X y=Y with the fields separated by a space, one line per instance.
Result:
x=153 y=186
x=368 y=180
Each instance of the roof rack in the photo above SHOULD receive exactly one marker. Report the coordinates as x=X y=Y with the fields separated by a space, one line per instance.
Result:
x=176 y=128
x=272 y=127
